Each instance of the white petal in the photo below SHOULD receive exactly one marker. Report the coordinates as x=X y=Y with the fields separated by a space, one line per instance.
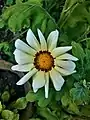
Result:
x=67 y=56
x=46 y=84
x=42 y=40
x=60 y=50
x=23 y=68
x=38 y=80
x=24 y=47
x=64 y=72
x=32 y=40
x=35 y=90
x=57 y=79
x=52 y=40
x=27 y=77
x=22 y=58
x=67 y=65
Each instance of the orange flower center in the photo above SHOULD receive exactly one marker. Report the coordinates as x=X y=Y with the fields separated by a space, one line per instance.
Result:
x=44 y=61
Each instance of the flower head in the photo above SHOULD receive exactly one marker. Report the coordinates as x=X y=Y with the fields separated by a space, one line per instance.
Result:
x=43 y=60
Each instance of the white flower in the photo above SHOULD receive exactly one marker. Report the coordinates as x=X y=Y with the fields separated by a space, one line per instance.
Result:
x=42 y=60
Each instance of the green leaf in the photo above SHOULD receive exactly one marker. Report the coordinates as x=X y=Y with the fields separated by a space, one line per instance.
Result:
x=6 y=48
x=87 y=64
x=75 y=19
x=78 y=51
x=67 y=10
x=73 y=108
x=46 y=113
x=1 y=107
x=28 y=15
x=21 y=103
x=39 y=97
x=9 y=2
x=18 y=1
x=5 y=96
x=43 y=26
x=1 y=23
x=74 y=12
x=68 y=104
x=80 y=94
x=65 y=100
x=7 y=115
x=38 y=2
x=34 y=119
x=43 y=102
x=88 y=43
x=31 y=96
x=16 y=117
x=85 y=110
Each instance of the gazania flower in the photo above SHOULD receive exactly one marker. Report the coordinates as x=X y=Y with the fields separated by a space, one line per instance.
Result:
x=43 y=60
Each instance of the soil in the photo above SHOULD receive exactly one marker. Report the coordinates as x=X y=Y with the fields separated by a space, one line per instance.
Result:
x=9 y=79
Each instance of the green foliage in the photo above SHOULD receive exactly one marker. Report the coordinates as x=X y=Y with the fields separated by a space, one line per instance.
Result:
x=74 y=24
x=87 y=59
x=31 y=97
x=69 y=104
x=16 y=117
x=18 y=2
x=85 y=110
x=39 y=2
x=9 y=115
x=39 y=97
x=21 y=103
x=9 y=2
x=80 y=94
x=34 y=119
x=78 y=51
x=46 y=113
x=1 y=23
x=5 y=96
x=75 y=12
x=88 y=43
x=0 y=107
x=5 y=112
x=6 y=48
x=25 y=15
x=74 y=20
x=65 y=100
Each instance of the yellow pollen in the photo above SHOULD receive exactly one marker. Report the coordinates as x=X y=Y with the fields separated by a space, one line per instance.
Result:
x=44 y=61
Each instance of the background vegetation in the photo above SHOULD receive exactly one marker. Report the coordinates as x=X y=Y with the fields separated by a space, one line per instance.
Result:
x=72 y=19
